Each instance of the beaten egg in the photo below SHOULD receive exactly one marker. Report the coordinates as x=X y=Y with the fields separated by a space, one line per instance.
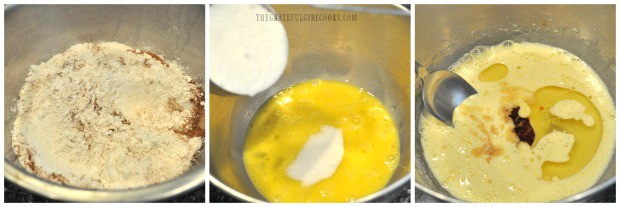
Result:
x=321 y=141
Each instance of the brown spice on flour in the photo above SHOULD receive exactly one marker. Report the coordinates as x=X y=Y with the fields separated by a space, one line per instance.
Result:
x=107 y=116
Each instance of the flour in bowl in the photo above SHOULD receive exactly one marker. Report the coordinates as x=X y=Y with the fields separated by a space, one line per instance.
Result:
x=107 y=116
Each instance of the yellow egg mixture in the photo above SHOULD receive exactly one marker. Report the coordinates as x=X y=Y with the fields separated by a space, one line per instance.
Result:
x=315 y=108
x=569 y=108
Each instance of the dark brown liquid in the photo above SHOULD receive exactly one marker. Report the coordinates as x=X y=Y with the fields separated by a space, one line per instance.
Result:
x=523 y=129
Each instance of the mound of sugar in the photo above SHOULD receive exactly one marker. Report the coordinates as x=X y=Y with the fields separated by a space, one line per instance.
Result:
x=319 y=158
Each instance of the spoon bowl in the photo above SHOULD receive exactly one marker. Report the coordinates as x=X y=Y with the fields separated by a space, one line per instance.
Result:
x=443 y=91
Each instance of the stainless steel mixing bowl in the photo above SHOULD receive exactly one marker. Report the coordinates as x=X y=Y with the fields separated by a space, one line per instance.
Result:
x=34 y=33
x=444 y=33
x=372 y=53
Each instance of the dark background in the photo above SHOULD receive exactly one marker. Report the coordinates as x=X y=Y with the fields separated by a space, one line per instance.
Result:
x=16 y=194
x=607 y=196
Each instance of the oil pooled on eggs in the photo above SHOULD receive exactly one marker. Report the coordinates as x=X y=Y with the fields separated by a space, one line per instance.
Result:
x=587 y=138
x=494 y=72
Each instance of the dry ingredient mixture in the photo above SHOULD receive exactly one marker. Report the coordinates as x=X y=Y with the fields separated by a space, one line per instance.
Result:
x=107 y=116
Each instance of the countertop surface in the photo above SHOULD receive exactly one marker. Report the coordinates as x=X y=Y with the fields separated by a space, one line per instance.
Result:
x=16 y=194
x=607 y=196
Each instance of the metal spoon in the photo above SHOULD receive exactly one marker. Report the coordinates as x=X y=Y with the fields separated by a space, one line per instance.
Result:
x=442 y=92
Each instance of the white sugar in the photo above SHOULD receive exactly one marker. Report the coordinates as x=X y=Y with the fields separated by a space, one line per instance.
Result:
x=319 y=158
x=247 y=55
